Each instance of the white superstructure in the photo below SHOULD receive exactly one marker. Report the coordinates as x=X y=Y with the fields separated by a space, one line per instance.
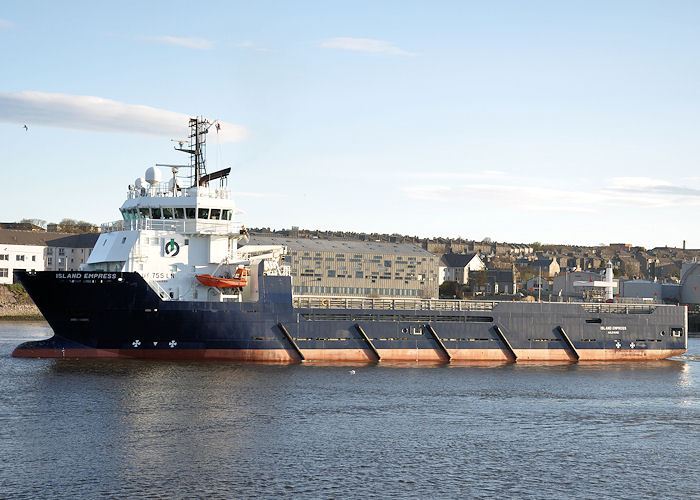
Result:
x=170 y=234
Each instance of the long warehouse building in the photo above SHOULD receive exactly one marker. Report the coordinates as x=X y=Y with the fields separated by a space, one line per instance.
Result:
x=357 y=268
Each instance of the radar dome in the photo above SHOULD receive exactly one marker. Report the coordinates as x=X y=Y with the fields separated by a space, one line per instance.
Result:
x=172 y=184
x=153 y=175
x=139 y=182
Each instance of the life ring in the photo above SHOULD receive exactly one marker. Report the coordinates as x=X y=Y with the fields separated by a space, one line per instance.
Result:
x=324 y=302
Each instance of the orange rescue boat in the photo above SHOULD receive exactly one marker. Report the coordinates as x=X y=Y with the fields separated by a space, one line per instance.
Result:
x=239 y=280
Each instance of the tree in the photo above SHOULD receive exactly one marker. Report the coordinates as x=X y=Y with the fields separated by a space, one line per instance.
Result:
x=527 y=272
x=76 y=226
x=536 y=246
x=450 y=290
x=478 y=278
x=36 y=222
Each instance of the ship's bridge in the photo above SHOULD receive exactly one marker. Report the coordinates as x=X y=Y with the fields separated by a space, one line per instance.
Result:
x=160 y=206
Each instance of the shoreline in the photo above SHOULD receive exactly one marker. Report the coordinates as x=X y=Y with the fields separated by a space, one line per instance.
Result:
x=23 y=317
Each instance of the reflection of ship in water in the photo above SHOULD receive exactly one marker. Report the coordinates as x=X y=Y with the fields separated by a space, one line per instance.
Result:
x=175 y=279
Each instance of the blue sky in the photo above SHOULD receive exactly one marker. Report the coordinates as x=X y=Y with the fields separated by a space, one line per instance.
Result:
x=559 y=122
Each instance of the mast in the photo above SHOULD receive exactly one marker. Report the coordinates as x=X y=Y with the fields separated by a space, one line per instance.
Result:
x=196 y=148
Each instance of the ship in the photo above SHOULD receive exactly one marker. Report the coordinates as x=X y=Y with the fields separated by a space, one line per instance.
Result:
x=176 y=278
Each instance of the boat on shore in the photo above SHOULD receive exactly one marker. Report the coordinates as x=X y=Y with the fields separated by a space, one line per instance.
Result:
x=152 y=288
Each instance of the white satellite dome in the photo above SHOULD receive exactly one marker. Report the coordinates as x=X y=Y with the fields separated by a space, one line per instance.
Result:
x=153 y=175
x=139 y=182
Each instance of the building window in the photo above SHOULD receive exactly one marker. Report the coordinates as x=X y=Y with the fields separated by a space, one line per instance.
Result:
x=3 y=273
x=33 y=258
x=4 y=257
x=19 y=257
x=49 y=260
x=61 y=251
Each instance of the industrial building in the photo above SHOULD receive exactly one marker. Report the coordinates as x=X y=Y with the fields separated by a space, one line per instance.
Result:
x=690 y=283
x=346 y=267
x=569 y=284
x=685 y=292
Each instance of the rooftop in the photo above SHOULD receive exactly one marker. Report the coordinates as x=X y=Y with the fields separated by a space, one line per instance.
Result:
x=41 y=238
x=319 y=245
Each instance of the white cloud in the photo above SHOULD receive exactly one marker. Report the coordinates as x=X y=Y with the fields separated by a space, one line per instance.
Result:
x=4 y=23
x=192 y=43
x=97 y=114
x=636 y=182
x=652 y=188
x=635 y=192
x=364 y=45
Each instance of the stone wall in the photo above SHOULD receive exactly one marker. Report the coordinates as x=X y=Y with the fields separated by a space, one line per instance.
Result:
x=14 y=301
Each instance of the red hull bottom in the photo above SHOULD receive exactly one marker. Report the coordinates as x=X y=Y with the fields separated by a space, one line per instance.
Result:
x=354 y=355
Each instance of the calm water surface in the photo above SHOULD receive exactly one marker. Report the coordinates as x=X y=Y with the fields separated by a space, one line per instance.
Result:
x=122 y=429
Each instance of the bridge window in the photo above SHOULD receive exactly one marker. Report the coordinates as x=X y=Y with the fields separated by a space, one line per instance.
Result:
x=179 y=213
x=190 y=213
x=215 y=213
x=156 y=213
x=167 y=213
x=203 y=213
x=226 y=215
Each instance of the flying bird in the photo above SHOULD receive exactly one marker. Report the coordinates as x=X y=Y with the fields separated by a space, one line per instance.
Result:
x=26 y=129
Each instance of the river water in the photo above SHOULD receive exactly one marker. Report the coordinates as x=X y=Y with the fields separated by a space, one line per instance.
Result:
x=139 y=429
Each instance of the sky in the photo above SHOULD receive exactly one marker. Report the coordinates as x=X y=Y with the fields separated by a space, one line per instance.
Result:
x=558 y=122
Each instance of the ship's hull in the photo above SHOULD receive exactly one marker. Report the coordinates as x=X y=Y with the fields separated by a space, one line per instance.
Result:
x=117 y=315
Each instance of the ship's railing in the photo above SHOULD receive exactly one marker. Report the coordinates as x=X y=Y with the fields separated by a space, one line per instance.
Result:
x=187 y=226
x=593 y=307
x=384 y=303
x=162 y=189
x=317 y=302
x=158 y=289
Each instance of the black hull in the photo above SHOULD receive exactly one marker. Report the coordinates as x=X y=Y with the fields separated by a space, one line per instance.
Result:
x=119 y=315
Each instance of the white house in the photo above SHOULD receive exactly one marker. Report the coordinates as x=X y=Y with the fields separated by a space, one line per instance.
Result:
x=456 y=267
x=14 y=257
x=42 y=251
